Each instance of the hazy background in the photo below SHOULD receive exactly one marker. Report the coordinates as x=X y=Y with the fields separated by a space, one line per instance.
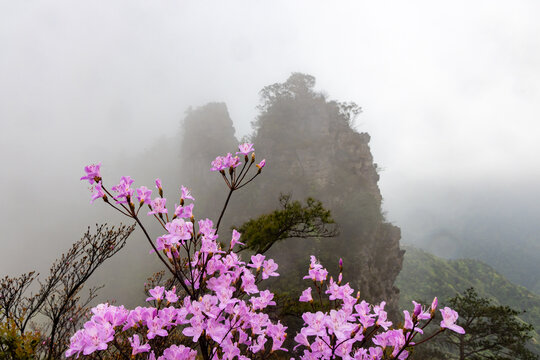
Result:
x=450 y=96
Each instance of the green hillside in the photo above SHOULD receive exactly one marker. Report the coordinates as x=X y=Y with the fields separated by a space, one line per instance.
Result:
x=425 y=276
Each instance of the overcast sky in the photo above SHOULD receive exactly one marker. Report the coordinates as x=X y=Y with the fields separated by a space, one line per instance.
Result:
x=449 y=90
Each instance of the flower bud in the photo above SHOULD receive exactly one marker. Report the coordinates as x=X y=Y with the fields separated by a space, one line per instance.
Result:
x=434 y=306
x=355 y=331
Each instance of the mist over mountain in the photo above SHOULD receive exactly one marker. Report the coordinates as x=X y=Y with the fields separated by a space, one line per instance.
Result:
x=450 y=98
x=440 y=151
x=497 y=224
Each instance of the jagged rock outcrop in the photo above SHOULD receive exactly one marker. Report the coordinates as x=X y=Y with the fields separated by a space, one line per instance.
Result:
x=312 y=150
x=207 y=131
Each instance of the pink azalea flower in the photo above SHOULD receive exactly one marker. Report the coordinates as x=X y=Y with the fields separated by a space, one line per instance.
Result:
x=269 y=269
x=155 y=328
x=449 y=320
x=178 y=352
x=168 y=315
x=179 y=231
x=186 y=194
x=171 y=295
x=235 y=238
x=259 y=344
x=248 y=283
x=316 y=271
x=100 y=309
x=381 y=340
x=420 y=312
x=184 y=211
x=301 y=339
x=156 y=293
x=136 y=345
x=158 y=184
x=123 y=189
x=263 y=301
x=382 y=320
x=97 y=336
x=278 y=335
x=375 y=353
x=306 y=295
x=230 y=350
x=209 y=245
x=218 y=164
x=333 y=290
x=92 y=173
x=77 y=344
x=98 y=192
x=231 y=262
x=216 y=330
x=206 y=227
x=245 y=149
x=230 y=161
x=116 y=315
x=256 y=261
x=396 y=339
x=408 y=324
x=139 y=316
x=158 y=206
x=144 y=195
x=196 y=328
x=315 y=323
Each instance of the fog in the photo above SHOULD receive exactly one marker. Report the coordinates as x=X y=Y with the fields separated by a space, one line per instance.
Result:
x=449 y=91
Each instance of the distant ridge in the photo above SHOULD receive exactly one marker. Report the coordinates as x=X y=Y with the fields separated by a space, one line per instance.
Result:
x=425 y=276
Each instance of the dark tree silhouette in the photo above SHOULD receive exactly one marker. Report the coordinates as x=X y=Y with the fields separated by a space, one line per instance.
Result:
x=293 y=220
x=492 y=332
x=58 y=297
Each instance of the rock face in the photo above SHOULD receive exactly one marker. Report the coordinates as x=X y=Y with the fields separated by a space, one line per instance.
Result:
x=312 y=150
x=207 y=131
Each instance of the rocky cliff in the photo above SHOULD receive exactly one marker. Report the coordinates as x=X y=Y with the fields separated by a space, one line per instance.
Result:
x=312 y=150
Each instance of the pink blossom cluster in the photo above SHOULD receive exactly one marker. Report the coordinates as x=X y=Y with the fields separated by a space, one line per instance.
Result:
x=221 y=315
x=224 y=162
x=230 y=314
x=219 y=307
x=355 y=329
x=220 y=302
x=230 y=322
x=229 y=161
